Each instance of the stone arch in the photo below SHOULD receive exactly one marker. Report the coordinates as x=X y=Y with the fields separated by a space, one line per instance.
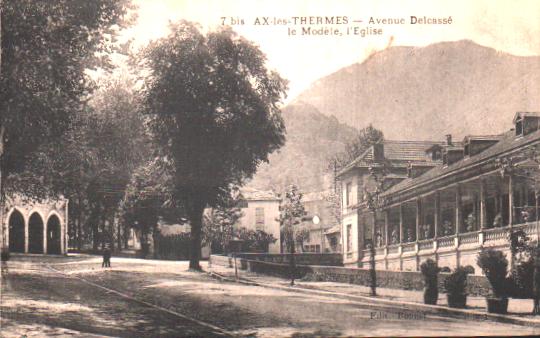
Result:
x=35 y=233
x=16 y=231
x=54 y=234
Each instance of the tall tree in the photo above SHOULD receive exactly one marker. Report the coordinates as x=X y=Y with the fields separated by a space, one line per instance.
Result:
x=47 y=47
x=290 y=217
x=149 y=197
x=366 y=137
x=96 y=157
x=214 y=111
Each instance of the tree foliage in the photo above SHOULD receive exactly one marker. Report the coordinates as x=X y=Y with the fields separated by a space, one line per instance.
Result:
x=290 y=217
x=254 y=240
x=213 y=110
x=47 y=47
x=365 y=138
x=148 y=197
x=218 y=226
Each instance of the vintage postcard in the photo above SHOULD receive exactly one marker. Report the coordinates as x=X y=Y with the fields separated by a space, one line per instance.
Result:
x=269 y=168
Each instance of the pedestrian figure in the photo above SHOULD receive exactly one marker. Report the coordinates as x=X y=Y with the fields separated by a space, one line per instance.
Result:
x=395 y=236
x=106 y=257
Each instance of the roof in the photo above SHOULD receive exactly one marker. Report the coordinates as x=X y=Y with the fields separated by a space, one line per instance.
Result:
x=333 y=230
x=406 y=150
x=258 y=195
x=483 y=137
x=524 y=114
x=508 y=142
x=399 y=151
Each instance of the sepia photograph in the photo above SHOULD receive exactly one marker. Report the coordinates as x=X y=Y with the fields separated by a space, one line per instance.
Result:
x=269 y=168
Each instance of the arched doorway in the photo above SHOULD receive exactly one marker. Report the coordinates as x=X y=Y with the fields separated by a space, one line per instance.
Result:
x=35 y=234
x=16 y=232
x=54 y=238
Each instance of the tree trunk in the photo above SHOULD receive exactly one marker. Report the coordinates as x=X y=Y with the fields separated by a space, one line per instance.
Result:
x=119 y=239
x=79 y=223
x=292 y=262
x=95 y=233
x=3 y=237
x=155 y=243
x=111 y=232
x=194 y=210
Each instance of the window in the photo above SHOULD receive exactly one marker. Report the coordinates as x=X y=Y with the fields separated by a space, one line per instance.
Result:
x=242 y=204
x=349 y=238
x=519 y=127
x=259 y=218
x=466 y=149
x=348 y=193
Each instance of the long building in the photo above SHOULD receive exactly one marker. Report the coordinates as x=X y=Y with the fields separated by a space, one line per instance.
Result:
x=476 y=192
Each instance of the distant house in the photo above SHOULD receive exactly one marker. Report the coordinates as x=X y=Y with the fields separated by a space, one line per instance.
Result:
x=260 y=211
x=325 y=235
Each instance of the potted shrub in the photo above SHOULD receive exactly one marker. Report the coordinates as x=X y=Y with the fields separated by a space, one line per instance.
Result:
x=5 y=255
x=429 y=270
x=455 y=285
x=495 y=266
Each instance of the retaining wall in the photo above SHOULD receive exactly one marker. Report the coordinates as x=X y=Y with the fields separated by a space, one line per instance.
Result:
x=324 y=259
x=404 y=280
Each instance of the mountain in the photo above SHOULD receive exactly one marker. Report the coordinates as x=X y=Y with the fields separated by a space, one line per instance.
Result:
x=410 y=93
x=312 y=138
x=421 y=93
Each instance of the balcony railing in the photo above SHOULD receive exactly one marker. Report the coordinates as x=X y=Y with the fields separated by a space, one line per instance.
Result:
x=408 y=247
x=393 y=249
x=469 y=238
x=426 y=244
x=446 y=242
x=495 y=236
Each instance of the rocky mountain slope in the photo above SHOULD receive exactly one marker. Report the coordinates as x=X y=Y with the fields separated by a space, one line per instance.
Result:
x=426 y=92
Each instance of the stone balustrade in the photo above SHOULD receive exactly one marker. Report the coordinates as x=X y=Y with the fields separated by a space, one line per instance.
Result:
x=451 y=251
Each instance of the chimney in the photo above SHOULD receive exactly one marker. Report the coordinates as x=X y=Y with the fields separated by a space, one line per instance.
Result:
x=378 y=152
x=449 y=139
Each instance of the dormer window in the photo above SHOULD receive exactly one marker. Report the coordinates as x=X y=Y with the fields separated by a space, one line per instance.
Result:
x=526 y=123
x=436 y=155
x=519 y=126
x=434 y=152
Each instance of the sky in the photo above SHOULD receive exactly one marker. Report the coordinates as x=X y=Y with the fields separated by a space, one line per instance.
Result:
x=508 y=26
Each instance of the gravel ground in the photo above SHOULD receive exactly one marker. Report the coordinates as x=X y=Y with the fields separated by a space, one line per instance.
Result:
x=38 y=301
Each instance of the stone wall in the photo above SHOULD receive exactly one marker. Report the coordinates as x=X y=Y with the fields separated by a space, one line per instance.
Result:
x=404 y=280
x=324 y=259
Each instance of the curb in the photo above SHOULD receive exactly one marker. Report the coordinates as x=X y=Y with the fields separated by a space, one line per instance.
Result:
x=385 y=304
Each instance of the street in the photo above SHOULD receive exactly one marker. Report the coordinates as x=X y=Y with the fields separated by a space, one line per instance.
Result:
x=52 y=296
